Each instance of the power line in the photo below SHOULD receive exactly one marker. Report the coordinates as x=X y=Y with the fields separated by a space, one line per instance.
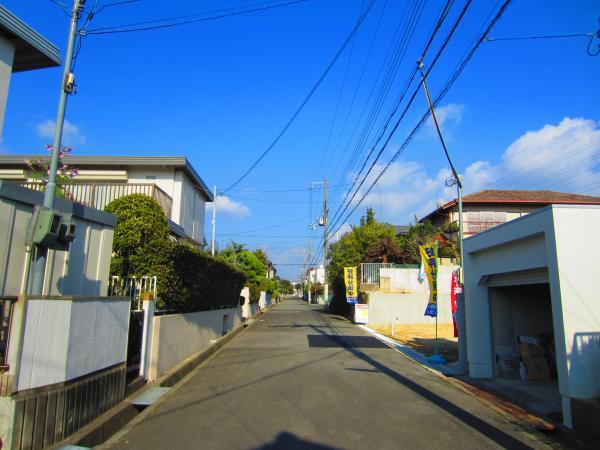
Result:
x=442 y=93
x=265 y=228
x=252 y=9
x=406 y=108
x=308 y=97
x=378 y=104
x=555 y=36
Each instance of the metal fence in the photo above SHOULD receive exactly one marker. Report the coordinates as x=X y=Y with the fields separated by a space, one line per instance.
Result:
x=137 y=289
x=369 y=272
x=99 y=195
x=6 y=306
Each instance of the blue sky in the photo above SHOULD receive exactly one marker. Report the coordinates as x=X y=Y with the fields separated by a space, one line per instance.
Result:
x=523 y=114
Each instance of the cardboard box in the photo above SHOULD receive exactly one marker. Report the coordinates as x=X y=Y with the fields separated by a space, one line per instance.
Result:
x=507 y=365
x=537 y=369
x=531 y=351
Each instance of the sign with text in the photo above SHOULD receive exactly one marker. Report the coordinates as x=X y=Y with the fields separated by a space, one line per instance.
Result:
x=429 y=260
x=351 y=285
x=361 y=313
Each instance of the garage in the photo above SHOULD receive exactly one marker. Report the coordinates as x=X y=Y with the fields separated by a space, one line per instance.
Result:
x=531 y=310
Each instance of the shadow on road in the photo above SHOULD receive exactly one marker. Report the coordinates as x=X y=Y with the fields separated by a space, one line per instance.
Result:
x=289 y=441
x=479 y=425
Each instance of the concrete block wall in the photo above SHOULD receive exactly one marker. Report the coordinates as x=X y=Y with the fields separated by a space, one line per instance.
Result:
x=408 y=298
x=177 y=337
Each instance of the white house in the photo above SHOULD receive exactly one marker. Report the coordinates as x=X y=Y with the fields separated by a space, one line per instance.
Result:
x=21 y=49
x=170 y=180
x=532 y=306
x=316 y=274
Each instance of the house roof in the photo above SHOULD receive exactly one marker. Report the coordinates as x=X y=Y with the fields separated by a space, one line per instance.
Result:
x=180 y=162
x=516 y=197
x=32 y=50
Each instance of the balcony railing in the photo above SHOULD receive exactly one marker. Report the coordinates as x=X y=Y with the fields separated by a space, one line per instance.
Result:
x=474 y=227
x=99 y=195
x=6 y=306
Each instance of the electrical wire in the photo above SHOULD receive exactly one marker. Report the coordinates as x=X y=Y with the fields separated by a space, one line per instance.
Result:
x=265 y=228
x=406 y=108
x=307 y=98
x=438 y=98
x=555 y=36
x=179 y=22
x=353 y=160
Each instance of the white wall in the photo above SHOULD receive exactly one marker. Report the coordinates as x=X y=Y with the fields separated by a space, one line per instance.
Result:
x=65 y=339
x=163 y=178
x=407 y=305
x=179 y=336
x=248 y=309
x=578 y=258
x=264 y=300
x=7 y=53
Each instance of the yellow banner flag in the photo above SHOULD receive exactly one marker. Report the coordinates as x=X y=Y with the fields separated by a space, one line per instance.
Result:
x=351 y=285
x=430 y=263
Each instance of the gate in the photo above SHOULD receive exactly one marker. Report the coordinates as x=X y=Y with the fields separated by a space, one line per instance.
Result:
x=137 y=289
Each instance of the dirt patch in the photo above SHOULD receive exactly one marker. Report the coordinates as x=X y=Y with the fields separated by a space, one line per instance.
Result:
x=422 y=338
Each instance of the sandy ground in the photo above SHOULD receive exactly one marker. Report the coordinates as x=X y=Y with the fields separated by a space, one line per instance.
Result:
x=422 y=338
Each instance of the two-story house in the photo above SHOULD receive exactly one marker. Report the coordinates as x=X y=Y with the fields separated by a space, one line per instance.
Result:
x=170 y=180
x=486 y=209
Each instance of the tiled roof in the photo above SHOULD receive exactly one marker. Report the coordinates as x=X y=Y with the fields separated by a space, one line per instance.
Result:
x=540 y=197
x=519 y=197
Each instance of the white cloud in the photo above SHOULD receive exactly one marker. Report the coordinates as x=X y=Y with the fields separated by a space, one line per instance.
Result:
x=449 y=114
x=72 y=135
x=227 y=206
x=560 y=157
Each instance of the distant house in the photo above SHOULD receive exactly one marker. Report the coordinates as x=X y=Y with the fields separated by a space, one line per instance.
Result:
x=486 y=209
x=170 y=180
x=21 y=49
x=316 y=274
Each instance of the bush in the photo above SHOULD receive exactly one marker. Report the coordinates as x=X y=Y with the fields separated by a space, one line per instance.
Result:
x=191 y=280
x=141 y=236
x=254 y=293
x=187 y=279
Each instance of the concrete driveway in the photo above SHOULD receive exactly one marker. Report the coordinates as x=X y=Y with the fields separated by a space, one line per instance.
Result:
x=300 y=378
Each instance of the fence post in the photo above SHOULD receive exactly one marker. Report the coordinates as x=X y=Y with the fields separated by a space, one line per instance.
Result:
x=148 y=307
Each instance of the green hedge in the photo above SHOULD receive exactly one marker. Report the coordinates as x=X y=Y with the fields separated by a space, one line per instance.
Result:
x=190 y=280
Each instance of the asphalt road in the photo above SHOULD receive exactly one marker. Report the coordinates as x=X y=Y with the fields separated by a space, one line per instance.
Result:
x=303 y=379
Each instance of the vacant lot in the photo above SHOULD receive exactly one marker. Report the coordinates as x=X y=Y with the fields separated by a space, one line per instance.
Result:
x=422 y=338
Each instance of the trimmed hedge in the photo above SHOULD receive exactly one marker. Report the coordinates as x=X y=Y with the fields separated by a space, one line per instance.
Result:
x=190 y=280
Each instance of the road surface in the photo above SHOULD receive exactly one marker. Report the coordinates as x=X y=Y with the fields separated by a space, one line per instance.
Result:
x=300 y=378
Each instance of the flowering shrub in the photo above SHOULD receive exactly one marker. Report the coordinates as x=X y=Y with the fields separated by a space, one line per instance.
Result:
x=40 y=170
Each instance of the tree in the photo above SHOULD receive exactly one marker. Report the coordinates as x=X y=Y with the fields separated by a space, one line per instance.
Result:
x=352 y=248
x=141 y=235
x=252 y=265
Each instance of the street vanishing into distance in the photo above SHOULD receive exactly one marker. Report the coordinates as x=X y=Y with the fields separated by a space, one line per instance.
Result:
x=301 y=378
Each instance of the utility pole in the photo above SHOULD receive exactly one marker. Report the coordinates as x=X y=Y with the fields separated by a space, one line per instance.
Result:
x=214 y=220
x=308 y=273
x=325 y=239
x=462 y=341
x=67 y=87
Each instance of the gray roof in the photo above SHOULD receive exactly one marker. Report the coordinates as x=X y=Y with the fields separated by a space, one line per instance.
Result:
x=180 y=162
x=32 y=50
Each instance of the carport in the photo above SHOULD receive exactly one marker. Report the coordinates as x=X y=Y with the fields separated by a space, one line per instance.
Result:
x=532 y=309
